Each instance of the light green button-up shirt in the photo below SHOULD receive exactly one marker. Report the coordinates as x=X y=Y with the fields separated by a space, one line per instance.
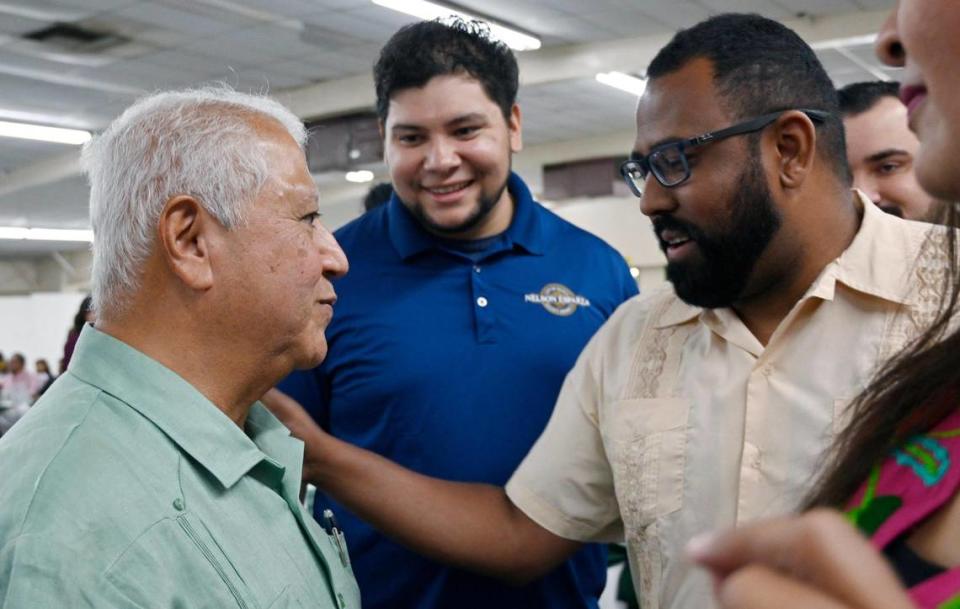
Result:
x=125 y=487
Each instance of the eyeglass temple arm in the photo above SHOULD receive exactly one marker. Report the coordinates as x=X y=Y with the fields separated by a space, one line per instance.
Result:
x=756 y=124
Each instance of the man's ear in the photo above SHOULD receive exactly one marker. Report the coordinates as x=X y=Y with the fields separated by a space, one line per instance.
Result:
x=515 y=125
x=795 y=142
x=185 y=240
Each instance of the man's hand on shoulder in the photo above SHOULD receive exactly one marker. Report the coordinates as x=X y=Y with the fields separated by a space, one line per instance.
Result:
x=303 y=427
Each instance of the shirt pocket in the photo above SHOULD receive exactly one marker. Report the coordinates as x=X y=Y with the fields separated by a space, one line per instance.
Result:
x=198 y=533
x=647 y=444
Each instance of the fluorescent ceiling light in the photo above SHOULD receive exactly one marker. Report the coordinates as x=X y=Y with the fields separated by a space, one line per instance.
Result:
x=20 y=233
x=359 y=177
x=624 y=82
x=57 y=135
x=850 y=41
x=516 y=40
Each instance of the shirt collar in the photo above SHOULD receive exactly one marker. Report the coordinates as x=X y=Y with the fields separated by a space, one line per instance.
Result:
x=525 y=230
x=188 y=418
x=878 y=262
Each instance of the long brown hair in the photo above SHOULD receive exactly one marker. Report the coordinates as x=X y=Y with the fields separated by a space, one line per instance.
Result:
x=909 y=395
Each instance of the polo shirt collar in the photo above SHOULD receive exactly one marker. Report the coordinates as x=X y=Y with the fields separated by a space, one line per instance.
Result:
x=525 y=230
x=188 y=418
x=878 y=262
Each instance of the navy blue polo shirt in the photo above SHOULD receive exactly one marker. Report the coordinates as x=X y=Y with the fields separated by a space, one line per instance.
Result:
x=449 y=362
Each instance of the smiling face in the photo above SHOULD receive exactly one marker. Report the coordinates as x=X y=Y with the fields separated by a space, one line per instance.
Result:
x=881 y=151
x=922 y=36
x=448 y=147
x=714 y=227
x=277 y=267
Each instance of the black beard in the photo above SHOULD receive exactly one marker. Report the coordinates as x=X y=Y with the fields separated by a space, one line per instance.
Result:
x=717 y=274
x=484 y=206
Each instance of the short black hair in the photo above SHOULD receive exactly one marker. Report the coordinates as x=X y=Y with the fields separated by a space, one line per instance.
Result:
x=760 y=66
x=861 y=96
x=377 y=195
x=423 y=50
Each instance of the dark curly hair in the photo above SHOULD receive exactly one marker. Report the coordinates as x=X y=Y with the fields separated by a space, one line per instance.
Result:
x=421 y=51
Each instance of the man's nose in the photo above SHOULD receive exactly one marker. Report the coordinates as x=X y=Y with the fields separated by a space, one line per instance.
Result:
x=441 y=155
x=335 y=263
x=888 y=47
x=657 y=199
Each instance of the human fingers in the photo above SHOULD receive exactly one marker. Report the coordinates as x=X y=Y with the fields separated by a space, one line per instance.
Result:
x=819 y=548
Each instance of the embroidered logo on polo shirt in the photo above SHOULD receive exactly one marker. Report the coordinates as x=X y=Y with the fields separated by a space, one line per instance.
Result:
x=558 y=299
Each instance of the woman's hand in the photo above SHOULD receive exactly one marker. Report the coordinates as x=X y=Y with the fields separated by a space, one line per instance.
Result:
x=813 y=561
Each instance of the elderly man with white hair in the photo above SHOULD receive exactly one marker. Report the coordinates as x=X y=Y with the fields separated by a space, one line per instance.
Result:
x=149 y=475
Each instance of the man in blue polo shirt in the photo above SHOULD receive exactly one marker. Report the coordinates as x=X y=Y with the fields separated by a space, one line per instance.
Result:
x=466 y=305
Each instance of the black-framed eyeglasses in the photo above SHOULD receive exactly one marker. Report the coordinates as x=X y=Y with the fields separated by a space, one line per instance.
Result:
x=669 y=164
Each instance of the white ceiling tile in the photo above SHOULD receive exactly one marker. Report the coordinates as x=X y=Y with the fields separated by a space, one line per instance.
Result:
x=178 y=20
x=232 y=48
x=97 y=5
x=761 y=7
x=274 y=40
x=676 y=13
x=140 y=74
x=16 y=25
x=636 y=23
x=191 y=62
x=287 y=8
x=819 y=7
x=371 y=24
x=310 y=72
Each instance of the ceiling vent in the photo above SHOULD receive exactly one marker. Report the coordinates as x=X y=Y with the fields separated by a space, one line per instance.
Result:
x=72 y=38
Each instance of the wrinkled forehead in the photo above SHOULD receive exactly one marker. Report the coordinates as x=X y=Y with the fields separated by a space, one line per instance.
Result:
x=679 y=105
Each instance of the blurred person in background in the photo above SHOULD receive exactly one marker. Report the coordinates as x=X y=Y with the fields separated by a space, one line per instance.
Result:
x=45 y=377
x=84 y=315
x=377 y=196
x=881 y=151
x=19 y=385
x=18 y=390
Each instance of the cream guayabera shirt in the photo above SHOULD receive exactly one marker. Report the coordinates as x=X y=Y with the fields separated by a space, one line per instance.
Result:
x=676 y=420
x=124 y=487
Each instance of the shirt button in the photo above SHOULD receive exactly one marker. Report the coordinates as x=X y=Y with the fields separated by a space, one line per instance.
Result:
x=767 y=370
x=481 y=302
x=178 y=504
x=476 y=269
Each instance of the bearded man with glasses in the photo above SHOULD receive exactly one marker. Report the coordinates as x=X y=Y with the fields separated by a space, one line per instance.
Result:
x=709 y=403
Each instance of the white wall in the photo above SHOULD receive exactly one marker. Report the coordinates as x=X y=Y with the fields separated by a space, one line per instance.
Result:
x=618 y=221
x=37 y=324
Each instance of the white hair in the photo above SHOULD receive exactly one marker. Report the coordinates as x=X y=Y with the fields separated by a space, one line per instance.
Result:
x=197 y=142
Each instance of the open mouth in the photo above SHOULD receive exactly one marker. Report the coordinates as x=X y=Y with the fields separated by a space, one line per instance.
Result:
x=673 y=238
x=448 y=189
